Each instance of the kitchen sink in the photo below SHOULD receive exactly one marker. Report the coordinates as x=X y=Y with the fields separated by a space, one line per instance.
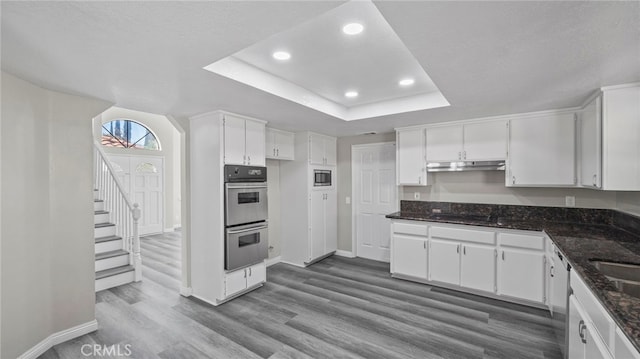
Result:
x=626 y=277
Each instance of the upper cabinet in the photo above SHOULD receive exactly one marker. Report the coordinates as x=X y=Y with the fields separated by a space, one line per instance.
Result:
x=610 y=140
x=244 y=141
x=542 y=151
x=322 y=150
x=481 y=141
x=410 y=157
x=279 y=144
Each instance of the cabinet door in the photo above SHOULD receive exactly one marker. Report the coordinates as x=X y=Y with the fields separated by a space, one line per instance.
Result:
x=234 y=150
x=410 y=158
x=576 y=330
x=444 y=261
x=591 y=144
x=270 y=143
x=255 y=143
x=409 y=255
x=316 y=150
x=256 y=274
x=330 y=151
x=521 y=274
x=478 y=267
x=485 y=141
x=234 y=282
x=284 y=145
x=317 y=220
x=444 y=143
x=331 y=221
x=595 y=348
x=542 y=151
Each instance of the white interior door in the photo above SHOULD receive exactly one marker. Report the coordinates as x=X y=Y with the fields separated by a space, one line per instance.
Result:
x=374 y=195
x=142 y=178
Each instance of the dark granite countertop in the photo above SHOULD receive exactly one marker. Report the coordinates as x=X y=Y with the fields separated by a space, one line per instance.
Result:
x=582 y=235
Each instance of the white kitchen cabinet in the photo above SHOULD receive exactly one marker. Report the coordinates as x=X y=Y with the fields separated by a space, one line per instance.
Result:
x=323 y=220
x=521 y=274
x=279 y=144
x=410 y=157
x=241 y=279
x=322 y=150
x=584 y=342
x=481 y=141
x=444 y=261
x=542 y=151
x=591 y=144
x=610 y=140
x=444 y=143
x=478 y=267
x=409 y=255
x=244 y=141
x=623 y=347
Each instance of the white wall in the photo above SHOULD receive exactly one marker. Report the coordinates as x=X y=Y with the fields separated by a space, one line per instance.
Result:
x=47 y=274
x=167 y=135
x=273 y=193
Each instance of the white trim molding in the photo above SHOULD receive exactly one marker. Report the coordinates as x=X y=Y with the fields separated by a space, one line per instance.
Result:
x=59 y=337
x=343 y=253
x=186 y=291
x=271 y=261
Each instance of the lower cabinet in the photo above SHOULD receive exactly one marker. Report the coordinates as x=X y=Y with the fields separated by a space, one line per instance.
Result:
x=521 y=274
x=409 y=255
x=444 y=261
x=241 y=279
x=584 y=341
x=478 y=267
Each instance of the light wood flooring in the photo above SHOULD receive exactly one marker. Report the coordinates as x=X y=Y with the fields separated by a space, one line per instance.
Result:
x=337 y=308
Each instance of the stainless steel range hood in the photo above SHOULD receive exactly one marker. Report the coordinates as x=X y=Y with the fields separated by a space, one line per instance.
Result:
x=465 y=166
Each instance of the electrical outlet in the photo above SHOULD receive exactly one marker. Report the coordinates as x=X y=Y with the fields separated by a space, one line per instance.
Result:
x=570 y=201
x=416 y=195
x=347 y=200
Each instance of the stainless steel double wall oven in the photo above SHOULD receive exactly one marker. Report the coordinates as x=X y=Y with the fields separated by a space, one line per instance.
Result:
x=246 y=215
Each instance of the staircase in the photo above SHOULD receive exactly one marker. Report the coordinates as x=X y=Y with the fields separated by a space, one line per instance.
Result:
x=117 y=244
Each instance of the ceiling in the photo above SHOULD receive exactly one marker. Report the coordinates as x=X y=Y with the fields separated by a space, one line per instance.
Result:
x=487 y=58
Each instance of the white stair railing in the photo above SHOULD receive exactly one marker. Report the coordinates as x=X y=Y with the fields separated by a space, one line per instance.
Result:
x=122 y=212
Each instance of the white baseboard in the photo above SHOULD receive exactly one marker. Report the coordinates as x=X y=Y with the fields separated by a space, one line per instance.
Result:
x=186 y=291
x=293 y=264
x=271 y=261
x=347 y=254
x=170 y=229
x=59 y=337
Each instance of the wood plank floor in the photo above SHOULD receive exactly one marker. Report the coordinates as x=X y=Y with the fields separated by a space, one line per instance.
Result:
x=337 y=308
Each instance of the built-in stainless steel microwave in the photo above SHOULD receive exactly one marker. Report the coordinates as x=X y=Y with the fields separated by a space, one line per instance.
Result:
x=321 y=178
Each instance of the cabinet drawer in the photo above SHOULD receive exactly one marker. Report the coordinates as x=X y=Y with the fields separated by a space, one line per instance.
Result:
x=467 y=235
x=521 y=240
x=624 y=348
x=410 y=228
x=602 y=322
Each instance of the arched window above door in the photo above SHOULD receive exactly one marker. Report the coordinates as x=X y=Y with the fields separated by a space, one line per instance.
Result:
x=125 y=133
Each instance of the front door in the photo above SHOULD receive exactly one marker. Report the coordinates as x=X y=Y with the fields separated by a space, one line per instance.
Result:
x=142 y=178
x=374 y=196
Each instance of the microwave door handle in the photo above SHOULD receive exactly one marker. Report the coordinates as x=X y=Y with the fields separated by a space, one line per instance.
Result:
x=246 y=230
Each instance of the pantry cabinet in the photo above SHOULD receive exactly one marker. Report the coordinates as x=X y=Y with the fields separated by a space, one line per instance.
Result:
x=279 y=144
x=481 y=141
x=323 y=220
x=410 y=157
x=541 y=151
x=244 y=141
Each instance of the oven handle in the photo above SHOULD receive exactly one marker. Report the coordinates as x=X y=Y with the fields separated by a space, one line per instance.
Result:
x=246 y=230
x=231 y=186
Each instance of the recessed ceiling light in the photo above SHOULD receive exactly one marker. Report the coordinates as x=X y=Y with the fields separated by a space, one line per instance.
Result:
x=353 y=28
x=351 y=94
x=281 y=55
x=406 y=82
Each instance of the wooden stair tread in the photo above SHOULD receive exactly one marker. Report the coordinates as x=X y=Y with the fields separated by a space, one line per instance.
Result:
x=111 y=254
x=102 y=225
x=114 y=271
x=107 y=239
